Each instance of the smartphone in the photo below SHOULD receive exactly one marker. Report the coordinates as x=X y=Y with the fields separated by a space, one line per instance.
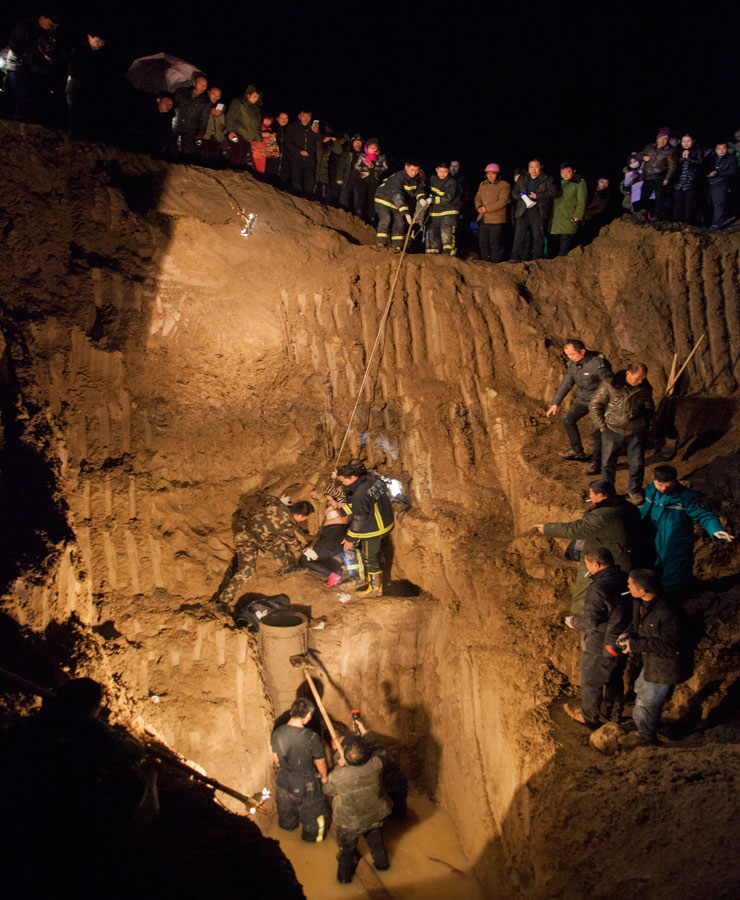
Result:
x=220 y=106
x=315 y=122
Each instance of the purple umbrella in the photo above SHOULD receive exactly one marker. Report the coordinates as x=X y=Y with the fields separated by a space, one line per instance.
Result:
x=161 y=72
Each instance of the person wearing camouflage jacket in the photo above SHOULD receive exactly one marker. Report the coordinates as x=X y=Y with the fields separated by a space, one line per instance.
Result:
x=621 y=409
x=264 y=524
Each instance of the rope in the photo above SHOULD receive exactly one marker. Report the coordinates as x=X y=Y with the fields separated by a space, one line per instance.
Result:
x=421 y=215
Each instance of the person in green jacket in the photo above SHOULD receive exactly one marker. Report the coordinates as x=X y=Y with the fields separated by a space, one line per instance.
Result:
x=567 y=212
x=243 y=125
x=612 y=522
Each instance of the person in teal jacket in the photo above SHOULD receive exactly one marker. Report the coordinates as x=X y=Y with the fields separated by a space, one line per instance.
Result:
x=669 y=512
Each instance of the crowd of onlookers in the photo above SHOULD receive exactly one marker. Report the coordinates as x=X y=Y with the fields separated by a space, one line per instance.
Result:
x=531 y=216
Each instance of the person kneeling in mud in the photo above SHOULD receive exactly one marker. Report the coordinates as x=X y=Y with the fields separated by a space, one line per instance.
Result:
x=327 y=554
x=359 y=805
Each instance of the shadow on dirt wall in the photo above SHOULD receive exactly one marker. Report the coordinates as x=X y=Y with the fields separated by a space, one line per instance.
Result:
x=102 y=237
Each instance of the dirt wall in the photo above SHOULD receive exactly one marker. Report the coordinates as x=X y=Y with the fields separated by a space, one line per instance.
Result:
x=159 y=364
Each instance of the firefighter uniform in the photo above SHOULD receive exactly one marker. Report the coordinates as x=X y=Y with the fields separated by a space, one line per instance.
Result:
x=445 y=209
x=265 y=525
x=393 y=201
x=371 y=517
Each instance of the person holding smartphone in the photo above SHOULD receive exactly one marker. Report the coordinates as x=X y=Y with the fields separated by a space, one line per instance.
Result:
x=210 y=148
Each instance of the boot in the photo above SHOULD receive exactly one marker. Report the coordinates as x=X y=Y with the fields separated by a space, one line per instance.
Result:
x=373 y=586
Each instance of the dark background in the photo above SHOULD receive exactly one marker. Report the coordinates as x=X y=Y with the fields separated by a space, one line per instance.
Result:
x=480 y=82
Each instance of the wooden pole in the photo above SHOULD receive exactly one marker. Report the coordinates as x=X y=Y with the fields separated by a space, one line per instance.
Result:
x=669 y=389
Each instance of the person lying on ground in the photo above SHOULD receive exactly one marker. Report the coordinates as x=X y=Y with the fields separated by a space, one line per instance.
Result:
x=325 y=555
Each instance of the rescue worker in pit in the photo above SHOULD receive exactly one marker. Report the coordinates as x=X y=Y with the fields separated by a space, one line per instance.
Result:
x=264 y=524
x=371 y=518
x=298 y=753
x=585 y=371
x=445 y=211
x=669 y=513
x=393 y=200
x=359 y=805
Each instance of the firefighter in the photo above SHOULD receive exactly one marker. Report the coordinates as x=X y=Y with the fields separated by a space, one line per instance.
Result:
x=392 y=203
x=371 y=518
x=445 y=209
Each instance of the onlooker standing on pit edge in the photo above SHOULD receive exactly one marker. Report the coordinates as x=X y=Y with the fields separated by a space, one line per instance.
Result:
x=302 y=140
x=658 y=169
x=88 y=89
x=631 y=186
x=243 y=125
x=622 y=408
x=687 y=183
x=533 y=194
x=492 y=200
x=211 y=146
x=585 y=370
x=192 y=111
x=277 y=167
x=723 y=177
x=567 y=210
x=669 y=512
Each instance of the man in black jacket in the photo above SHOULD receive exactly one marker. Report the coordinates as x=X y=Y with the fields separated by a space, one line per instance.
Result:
x=298 y=753
x=533 y=196
x=88 y=89
x=371 y=519
x=654 y=633
x=606 y=614
x=192 y=111
x=586 y=369
x=36 y=58
x=302 y=141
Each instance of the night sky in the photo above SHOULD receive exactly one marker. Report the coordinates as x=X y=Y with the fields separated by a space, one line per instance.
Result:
x=578 y=81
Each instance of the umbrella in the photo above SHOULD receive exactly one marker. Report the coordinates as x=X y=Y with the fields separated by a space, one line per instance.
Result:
x=160 y=72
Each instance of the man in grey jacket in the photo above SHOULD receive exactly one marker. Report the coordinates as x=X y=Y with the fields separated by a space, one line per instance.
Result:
x=359 y=805
x=586 y=369
x=621 y=409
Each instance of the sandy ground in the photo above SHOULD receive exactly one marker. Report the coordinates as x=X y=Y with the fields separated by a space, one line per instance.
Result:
x=427 y=862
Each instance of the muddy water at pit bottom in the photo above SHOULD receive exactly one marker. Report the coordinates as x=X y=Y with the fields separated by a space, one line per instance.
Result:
x=423 y=851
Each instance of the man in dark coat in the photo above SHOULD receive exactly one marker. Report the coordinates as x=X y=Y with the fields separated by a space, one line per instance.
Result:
x=585 y=370
x=298 y=753
x=151 y=127
x=36 y=57
x=353 y=188
x=88 y=89
x=723 y=178
x=533 y=196
x=192 y=110
x=371 y=519
x=659 y=161
x=359 y=805
x=611 y=522
x=654 y=633
x=302 y=142
x=621 y=409
x=688 y=181
x=606 y=614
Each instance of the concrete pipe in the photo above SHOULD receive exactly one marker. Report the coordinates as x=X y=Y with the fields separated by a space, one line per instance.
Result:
x=283 y=634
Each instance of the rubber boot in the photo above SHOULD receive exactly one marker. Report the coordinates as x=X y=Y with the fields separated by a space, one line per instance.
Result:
x=373 y=586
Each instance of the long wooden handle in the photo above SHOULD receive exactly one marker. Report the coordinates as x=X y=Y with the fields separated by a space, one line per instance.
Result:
x=322 y=709
x=669 y=389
